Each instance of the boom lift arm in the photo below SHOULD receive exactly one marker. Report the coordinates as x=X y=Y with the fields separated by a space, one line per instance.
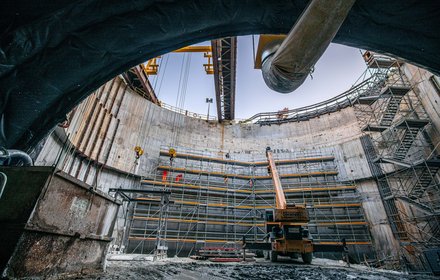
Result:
x=285 y=226
x=280 y=199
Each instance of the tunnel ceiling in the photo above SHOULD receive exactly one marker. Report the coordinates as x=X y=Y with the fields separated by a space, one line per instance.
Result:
x=54 y=53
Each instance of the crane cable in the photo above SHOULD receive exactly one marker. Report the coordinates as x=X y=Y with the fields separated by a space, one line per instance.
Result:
x=181 y=95
x=145 y=133
x=160 y=76
x=143 y=139
x=179 y=104
x=184 y=91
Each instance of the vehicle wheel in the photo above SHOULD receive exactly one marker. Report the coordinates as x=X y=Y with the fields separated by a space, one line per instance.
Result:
x=307 y=258
x=273 y=256
x=266 y=255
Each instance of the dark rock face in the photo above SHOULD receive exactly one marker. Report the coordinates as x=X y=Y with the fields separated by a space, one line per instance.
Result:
x=52 y=56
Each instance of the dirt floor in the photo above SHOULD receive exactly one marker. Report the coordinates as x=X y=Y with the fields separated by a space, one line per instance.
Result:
x=186 y=269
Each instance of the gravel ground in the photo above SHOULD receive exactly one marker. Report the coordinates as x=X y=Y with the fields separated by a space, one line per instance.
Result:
x=187 y=269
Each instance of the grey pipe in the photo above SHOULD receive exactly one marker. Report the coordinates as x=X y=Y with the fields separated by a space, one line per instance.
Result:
x=3 y=182
x=287 y=64
x=15 y=158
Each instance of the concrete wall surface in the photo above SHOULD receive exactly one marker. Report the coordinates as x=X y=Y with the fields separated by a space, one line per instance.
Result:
x=384 y=242
x=104 y=130
x=142 y=123
x=429 y=96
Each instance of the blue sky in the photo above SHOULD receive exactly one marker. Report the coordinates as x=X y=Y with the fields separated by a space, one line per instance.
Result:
x=335 y=72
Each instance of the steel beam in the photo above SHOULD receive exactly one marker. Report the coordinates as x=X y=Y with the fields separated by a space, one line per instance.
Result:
x=224 y=53
x=138 y=191
x=138 y=81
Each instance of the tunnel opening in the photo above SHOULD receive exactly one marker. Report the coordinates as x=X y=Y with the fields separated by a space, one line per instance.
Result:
x=123 y=176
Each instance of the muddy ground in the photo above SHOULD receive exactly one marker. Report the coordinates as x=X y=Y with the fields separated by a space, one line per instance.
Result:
x=186 y=269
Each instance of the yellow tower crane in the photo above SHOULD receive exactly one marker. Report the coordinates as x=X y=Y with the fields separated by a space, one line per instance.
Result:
x=152 y=65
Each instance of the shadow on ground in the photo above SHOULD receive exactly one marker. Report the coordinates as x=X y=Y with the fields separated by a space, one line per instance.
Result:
x=186 y=269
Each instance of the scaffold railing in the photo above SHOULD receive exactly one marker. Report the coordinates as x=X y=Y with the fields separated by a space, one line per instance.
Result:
x=403 y=161
x=208 y=207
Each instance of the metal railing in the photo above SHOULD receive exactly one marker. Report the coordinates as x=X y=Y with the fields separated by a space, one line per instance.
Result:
x=334 y=104
x=186 y=112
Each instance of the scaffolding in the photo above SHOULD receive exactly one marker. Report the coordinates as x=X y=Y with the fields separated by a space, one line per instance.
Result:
x=403 y=161
x=217 y=200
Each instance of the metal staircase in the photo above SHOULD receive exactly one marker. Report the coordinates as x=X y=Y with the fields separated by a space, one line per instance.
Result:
x=385 y=192
x=412 y=128
x=396 y=94
x=375 y=88
x=434 y=226
x=406 y=143
x=425 y=179
x=391 y=110
x=421 y=206
x=402 y=165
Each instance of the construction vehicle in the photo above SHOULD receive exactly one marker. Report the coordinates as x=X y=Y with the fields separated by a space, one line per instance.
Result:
x=286 y=224
x=287 y=228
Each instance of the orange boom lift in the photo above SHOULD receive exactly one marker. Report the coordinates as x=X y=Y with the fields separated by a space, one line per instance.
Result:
x=286 y=225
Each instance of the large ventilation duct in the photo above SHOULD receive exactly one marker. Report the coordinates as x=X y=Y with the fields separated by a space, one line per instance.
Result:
x=286 y=64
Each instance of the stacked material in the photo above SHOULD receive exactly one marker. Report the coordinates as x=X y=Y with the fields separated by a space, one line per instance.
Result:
x=222 y=254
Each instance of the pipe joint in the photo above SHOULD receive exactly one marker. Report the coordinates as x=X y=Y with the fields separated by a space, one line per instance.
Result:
x=279 y=80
